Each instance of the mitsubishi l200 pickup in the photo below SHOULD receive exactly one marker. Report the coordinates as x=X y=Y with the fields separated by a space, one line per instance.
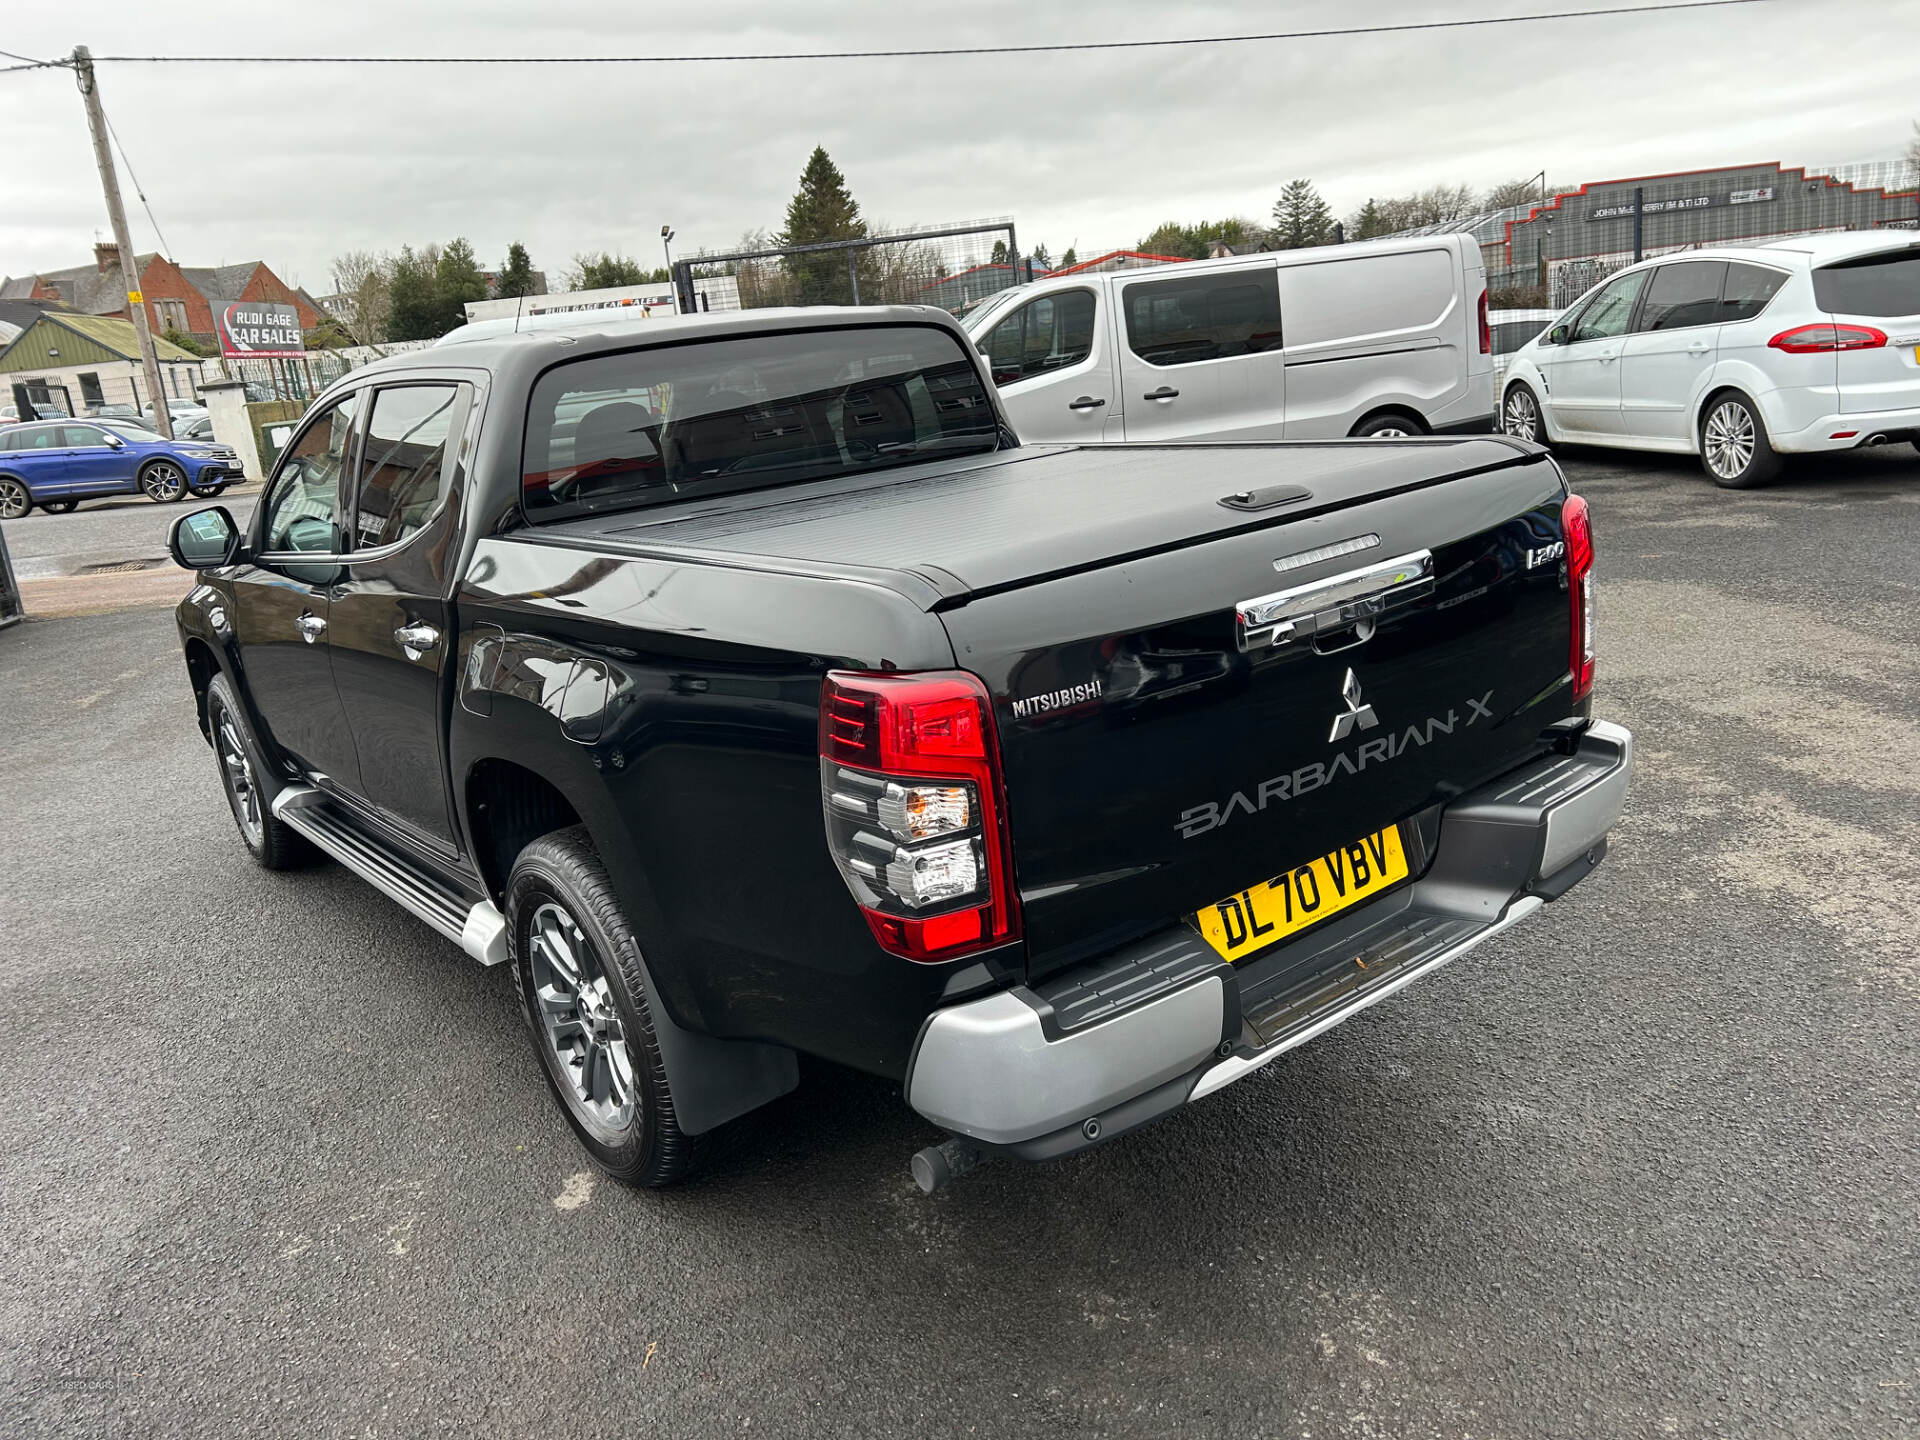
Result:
x=746 y=687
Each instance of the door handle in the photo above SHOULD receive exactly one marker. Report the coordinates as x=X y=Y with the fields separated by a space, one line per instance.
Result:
x=1699 y=347
x=310 y=626
x=1165 y=392
x=416 y=638
x=1085 y=402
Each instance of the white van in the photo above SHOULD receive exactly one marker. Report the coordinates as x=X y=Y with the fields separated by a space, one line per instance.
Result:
x=1381 y=338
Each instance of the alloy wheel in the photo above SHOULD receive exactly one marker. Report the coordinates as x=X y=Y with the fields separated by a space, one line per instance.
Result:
x=583 y=1030
x=1521 y=415
x=14 y=500
x=1391 y=432
x=237 y=770
x=163 y=482
x=1729 y=440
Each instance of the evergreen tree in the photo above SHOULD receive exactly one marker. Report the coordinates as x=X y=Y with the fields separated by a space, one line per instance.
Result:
x=607 y=271
x=1367 y=222
x=1042 y=260
x=516 y=273
x=1194 y=242
x=410 y=300
x=999 y=256
x=1300 y=217
x=456 y=281
x=1069 y=258
x=823 y=209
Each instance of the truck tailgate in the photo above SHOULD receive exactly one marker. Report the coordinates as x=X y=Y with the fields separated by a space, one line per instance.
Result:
x=1162 y=754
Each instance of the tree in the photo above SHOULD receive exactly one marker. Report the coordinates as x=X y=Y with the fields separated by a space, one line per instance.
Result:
x=1300 y=217
x=361 y=277
x=1366 y=222
x=1913 y=153
x=457 y=282
x=1193 y=242
x=999 y=256
x=822 y=210
x=1042 y=260
x=1068 y=258
x=1512 y=192
x=411 y=312
x=516 y=274
x=192 y=346
x=607 y=271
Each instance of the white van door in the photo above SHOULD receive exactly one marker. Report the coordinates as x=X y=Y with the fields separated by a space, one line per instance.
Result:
x=1199 y=353
x=1370 y=332
x=1051 y=361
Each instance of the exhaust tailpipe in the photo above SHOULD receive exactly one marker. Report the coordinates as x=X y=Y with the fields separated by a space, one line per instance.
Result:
x=938 y=1166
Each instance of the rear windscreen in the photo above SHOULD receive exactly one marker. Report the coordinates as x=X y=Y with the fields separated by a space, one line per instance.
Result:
x=643 y=427
x=1882 y=285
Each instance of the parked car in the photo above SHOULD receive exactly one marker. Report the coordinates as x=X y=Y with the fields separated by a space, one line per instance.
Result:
x=10 y=414
x=1385 y=338
x=178 y=411
x=1511 y=329
x=199 y=428
x=56 y=466
x=116 y=412
x=743 y=684
x=1739 y=356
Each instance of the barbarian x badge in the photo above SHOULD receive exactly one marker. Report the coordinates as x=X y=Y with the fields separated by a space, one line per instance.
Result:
x=1355 y=714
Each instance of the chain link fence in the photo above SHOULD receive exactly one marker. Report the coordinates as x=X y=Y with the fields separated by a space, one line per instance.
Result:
x=953 y=266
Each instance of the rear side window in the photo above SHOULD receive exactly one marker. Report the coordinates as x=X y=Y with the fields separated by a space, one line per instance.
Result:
x=1050 y=333
x=34 y=437
x=1747 y=290
x=643 y=427
x=406 y=469
x=1878 y=285
x=1205 y=317
x=1682 y=295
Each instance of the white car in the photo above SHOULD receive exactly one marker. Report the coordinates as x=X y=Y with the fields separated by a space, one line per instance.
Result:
x=1511 y=329
x=1738 y=356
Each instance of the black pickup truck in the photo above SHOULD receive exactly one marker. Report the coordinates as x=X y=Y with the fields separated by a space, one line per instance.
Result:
x=747 y=687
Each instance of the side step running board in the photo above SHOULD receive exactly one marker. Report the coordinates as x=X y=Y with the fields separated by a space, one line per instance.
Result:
x=480 y=930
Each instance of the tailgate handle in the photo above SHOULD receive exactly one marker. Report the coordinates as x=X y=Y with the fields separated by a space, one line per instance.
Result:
x=1352 y=602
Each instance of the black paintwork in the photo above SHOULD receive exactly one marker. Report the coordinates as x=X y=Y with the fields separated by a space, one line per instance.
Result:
x=661 y=671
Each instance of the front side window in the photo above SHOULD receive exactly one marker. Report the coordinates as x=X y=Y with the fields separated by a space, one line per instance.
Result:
x=1683 y=295
x=1879 y=285
x=405 y=474
x=303 y=507
x=1747 y=290
x=1204 y=317
x=643 y=427
x=1611 y=309
x=1050 y=333
x=77 y=436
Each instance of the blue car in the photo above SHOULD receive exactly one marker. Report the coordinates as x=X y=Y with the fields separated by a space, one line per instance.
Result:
x=56 y=465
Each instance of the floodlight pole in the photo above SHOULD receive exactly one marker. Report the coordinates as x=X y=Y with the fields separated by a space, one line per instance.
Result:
x=129 y=267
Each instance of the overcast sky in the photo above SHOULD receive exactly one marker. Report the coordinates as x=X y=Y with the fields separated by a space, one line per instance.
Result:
x=294 y=164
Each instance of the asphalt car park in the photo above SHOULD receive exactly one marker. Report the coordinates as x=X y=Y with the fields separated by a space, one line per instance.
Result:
x=278 y=1157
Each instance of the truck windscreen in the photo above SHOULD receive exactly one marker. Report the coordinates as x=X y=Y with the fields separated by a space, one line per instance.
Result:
x=713 y=417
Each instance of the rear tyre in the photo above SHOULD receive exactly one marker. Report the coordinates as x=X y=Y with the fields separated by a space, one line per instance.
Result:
x=15 y=499
x=1387 y=427
x=1734 y=448
x=576 y=966
x=207 y=492
x=1520 y=414
x=162 y=481
x=58 y=507
x=273 y=845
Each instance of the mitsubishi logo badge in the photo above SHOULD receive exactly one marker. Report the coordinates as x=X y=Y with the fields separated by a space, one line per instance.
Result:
x=1354 y=716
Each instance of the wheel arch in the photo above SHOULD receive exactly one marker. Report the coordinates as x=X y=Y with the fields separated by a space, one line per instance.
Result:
x=1397 y=409
x=507 y=807
x=202 y=666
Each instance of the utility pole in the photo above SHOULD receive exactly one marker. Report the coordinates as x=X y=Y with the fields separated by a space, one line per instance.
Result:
x=129 y=266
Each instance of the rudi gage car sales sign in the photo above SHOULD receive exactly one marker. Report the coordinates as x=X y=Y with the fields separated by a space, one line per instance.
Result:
x=262 y=330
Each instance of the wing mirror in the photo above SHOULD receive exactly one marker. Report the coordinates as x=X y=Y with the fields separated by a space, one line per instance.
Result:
x=1557 y=335
x=204 y=540
x=116 y=442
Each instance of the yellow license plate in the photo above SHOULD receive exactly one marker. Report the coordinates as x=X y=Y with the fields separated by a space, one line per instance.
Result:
x=1287 y=904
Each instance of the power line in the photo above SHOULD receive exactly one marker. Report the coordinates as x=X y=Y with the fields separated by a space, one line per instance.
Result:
x=1482 y=21
x=127 y=160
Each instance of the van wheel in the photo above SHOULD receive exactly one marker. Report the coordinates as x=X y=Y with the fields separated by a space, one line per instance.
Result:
x=1387 y=427
x=576 y=966
x=1520 y=416
x=1733 y=443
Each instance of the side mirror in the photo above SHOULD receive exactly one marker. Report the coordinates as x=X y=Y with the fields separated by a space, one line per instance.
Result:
x=116 y=442
x=1558 y=335
x=204 y=540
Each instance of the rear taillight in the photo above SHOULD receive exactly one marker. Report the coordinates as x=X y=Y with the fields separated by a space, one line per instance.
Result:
x=1824 y=339
x=1486 y=330
x=1577 y=526
x=916 y=817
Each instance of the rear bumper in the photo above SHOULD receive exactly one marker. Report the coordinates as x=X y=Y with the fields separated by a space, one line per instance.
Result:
x=1854 y=429
x=1041 y=1071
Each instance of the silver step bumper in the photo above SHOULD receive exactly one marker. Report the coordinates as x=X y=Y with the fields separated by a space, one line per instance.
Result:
x=1052 y=1068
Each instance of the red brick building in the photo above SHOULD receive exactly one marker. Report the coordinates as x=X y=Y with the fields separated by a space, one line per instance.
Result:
x=185 y=299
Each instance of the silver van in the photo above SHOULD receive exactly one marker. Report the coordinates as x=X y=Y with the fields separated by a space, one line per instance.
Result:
x=1380 y=338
